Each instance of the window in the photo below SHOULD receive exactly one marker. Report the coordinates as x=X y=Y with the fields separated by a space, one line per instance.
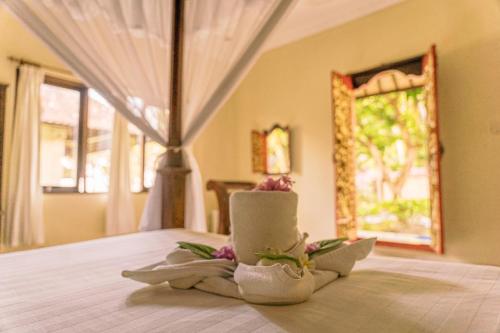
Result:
x=136 y=159
x=152 y=152
x=60 y=135
x=387 y=154
x=98 y=143
x=392 y=178
x=76 y=140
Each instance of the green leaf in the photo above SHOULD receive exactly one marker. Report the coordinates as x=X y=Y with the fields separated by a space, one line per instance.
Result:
x=201 y=250
x=202 y=247
x=329 y=241
x=328 y=246
x=271 y=256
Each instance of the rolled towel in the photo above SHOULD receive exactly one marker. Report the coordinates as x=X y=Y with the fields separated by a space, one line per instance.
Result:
x=262 y=220
x=181 y=256
x=342 y=260
x=219 y=286
x=322 y=278
x=182 y=270
x=277 y=284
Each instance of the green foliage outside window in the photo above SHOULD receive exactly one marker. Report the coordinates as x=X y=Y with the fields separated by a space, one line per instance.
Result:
x=391 y=147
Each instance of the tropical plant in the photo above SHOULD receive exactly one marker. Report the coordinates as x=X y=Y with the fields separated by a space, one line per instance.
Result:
x=391 y=136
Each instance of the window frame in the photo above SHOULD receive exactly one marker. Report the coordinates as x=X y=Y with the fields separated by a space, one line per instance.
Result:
x=420 y=65
x=82 y=90
x=83 y=130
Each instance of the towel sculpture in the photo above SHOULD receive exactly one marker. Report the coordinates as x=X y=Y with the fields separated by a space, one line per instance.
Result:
x=268 y=261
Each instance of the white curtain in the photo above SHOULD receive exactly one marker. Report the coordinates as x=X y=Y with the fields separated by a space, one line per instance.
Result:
x=24 y=220
x=223 y=40
x=119 y=47
x=120 y=216
x=122 y=48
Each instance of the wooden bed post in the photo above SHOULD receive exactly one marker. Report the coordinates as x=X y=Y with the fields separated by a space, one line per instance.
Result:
x=174 y=174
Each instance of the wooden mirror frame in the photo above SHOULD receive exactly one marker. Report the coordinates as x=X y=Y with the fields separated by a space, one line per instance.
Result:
x=259 y=150
x=344 y=155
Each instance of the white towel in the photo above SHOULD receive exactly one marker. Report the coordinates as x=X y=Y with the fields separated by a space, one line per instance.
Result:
x=219 y=286
x=322 y=278
x=275 y=284
x=191 y=270
x=342 y=260
x=280 y=284
x=262 y=220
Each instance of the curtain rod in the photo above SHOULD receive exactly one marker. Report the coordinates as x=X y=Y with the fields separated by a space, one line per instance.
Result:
x=22 y=61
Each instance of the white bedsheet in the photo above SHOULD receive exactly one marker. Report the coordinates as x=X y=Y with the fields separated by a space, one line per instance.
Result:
x=78 y=288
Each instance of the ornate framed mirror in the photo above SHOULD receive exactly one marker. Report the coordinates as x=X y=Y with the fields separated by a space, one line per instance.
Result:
x=387 y=154
x=271 y=151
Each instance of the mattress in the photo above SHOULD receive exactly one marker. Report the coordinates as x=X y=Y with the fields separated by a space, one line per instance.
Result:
x=78 y=288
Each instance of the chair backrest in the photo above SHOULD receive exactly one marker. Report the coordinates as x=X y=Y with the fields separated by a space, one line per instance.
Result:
x=222 y=191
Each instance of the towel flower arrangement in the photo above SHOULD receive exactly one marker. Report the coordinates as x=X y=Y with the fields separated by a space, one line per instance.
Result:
x=267 y=260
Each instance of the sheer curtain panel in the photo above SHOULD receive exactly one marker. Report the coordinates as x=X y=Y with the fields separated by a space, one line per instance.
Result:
x=119 y=47
x=223 y=39
x=24 y=220
x=120 y=215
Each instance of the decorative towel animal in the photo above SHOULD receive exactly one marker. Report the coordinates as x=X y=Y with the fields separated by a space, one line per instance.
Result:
x=268 y=261
x=278 y=283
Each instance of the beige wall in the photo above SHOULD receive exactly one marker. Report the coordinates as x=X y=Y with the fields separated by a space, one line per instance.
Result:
x=291 y=85
x=75 y=217
x=67 y=217
x=217 y=152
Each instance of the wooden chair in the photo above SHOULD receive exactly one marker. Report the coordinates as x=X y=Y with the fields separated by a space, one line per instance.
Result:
x=222 y=190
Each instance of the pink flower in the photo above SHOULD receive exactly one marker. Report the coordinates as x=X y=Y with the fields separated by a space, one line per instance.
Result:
x=225 y=252
x=283 y=184
x=311 y=247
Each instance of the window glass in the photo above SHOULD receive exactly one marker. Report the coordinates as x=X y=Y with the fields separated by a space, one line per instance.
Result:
x=136 y=140
x=153 y=150
x=59 y=136
x=60 y=143
x=99 y=138
x=392 y=165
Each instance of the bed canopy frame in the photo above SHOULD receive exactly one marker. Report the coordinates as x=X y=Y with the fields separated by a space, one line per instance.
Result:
x=174 y=174
x=166 y=66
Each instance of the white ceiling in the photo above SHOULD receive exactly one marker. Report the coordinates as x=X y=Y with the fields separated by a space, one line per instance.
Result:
x=312 y=16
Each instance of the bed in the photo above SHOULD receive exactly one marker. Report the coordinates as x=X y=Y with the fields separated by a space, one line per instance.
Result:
x=78 y=288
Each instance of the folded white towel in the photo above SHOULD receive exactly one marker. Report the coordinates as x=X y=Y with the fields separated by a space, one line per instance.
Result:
x=180 y=256
x=280 y=284
x=275 y=284
x=322 y=278
x=262 y=220
x=182 y=275
x=342 y=260
x=219 y=286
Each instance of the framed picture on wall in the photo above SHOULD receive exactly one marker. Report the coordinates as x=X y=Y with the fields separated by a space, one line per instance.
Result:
x=271 y=152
